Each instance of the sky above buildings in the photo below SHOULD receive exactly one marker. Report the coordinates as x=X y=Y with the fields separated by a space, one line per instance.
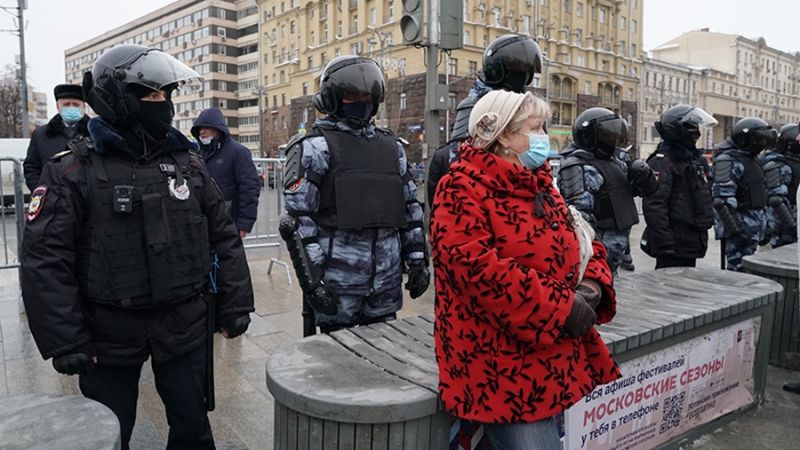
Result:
x=55 y=25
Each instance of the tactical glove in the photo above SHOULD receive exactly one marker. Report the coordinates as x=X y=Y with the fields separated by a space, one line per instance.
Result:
x=419 y=278
x=582 y=317
x=74 y=363
x=741 y=240
x=590 y=295
x=323 y=299
x=234 y=325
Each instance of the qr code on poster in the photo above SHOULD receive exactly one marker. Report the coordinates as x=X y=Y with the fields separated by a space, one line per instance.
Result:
x=673 y=407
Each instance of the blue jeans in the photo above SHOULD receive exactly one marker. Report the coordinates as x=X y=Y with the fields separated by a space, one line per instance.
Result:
x=539 y=435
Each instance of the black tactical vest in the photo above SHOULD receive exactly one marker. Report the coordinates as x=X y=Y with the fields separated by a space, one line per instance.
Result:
x=794 y=164
x=156 y=254
x=752 y=187
x=614 y=207
x=690 y=202
x=363 y=187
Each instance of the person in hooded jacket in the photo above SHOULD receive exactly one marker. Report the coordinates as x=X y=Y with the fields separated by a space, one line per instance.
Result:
x=739 y=189
x=349 y=187
x=231 y=166
x=679 y=212
x=122 y=228
x=518 y=289
x=46 y=141
x=782 y=173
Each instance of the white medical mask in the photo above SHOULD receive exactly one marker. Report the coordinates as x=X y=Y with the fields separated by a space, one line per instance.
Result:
x=206 y=140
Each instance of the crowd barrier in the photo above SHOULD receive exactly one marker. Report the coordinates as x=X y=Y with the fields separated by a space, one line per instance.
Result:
x=12 y=214
x=270 y=207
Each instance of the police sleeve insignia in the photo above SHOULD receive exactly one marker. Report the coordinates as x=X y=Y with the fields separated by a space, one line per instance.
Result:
x=37 y=201
x=296 y=185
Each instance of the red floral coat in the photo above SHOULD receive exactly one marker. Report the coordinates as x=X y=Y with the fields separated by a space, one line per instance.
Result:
x=506 y=261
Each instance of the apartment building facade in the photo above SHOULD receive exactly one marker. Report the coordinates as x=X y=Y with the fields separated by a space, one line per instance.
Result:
x=201 y=33
x=730 y=76
x=593 y=49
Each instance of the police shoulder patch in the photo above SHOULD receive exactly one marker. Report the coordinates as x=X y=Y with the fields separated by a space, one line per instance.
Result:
x=296 y=185
x=37 y=201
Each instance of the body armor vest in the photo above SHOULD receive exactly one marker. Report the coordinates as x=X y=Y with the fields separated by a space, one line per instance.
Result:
x=752 y=187
x=794 y=164
x=363 y=187
x=690 y=202
x=614 y=207
x=157 y=253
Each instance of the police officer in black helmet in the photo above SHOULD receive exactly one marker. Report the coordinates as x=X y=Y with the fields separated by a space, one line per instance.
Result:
x=679 y=213
x=739 y=189
x=782 y=172
x=602 y=187
x=509 y=63
x=121 y=228
x=353 y=217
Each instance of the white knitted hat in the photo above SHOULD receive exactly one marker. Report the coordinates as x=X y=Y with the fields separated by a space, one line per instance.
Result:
x=491 y=115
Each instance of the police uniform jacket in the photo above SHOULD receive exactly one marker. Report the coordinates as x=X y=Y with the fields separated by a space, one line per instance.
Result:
x=62 y=315
x=506 y=261
x=679 y=213
x=47 y=141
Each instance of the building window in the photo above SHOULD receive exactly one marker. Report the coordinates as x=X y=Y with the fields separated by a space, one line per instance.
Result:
x=222 y=86
x=310 y=62
x=581 y=61
x=391 y=12
x=579 y=9
x=223 y=103
x=283 y=30
x=473 y=67
x=630 y=95
x=466 y=37
x=283 y=120
x=372 y=16
x=451 y=101
x=526 y=24
x=305 y=88
x=222 y=68
x=602 y=15
x=452 y=66
x=633 y=26
x=403 y=100
x=291 y=27
x=633 y=51
x=543 y=2
x=283 y=99
x=587 y=88
x=622 y=23
x=220 y=32
x=312 y=38
x=339 y=28
x=566 y=6
x=496 y=12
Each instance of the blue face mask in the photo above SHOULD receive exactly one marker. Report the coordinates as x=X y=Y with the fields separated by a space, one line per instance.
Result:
x=71 y=115
x=538 y=150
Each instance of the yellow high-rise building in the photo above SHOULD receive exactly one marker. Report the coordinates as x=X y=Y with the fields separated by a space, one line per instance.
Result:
x=592 y=48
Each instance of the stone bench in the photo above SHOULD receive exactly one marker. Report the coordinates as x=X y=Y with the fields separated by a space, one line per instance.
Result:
x=56 y=422
x=781 y=265
x=375 y=387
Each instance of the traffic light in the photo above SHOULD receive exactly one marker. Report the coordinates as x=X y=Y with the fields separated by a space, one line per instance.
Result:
x=412 y=21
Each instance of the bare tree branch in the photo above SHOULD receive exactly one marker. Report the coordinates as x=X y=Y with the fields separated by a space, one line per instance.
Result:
x=10 y=104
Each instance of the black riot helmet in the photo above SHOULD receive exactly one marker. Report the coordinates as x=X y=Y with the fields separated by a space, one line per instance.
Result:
x=510 y=62
x=753 y=135
x=114 y=85
x=352 y=78
x=682 y=124
x=600 y=131
x=787 y=140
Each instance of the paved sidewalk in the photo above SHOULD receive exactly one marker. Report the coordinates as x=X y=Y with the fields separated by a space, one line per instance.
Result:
x=243 y=419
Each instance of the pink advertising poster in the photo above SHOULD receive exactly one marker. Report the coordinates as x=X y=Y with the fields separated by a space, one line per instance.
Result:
x=668 y=392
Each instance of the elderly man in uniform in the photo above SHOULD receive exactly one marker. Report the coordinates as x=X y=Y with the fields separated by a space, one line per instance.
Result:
x=52 y=138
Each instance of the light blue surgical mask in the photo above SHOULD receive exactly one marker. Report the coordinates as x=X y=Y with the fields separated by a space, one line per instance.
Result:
x=71 y=114
x=538 y=150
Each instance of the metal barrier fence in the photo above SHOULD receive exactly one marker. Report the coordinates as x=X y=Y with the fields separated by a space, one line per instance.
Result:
x=270 y=207
x=12 y=198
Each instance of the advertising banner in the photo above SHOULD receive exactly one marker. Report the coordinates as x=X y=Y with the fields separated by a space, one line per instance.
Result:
x=668 y=392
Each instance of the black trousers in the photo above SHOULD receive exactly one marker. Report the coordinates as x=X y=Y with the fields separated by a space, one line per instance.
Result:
x=180 y=383
x=674 y=261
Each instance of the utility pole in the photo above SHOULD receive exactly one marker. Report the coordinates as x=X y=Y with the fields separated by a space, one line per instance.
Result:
x=382 y=38
x=431 y=81
x=260 y=91
x=23 y=72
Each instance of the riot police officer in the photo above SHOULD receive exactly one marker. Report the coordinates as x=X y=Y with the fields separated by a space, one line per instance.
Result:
x=349 y=188
x=782 y=173
x=739 y=189
x=679 y=213
x=122 y=228
x=601 y=186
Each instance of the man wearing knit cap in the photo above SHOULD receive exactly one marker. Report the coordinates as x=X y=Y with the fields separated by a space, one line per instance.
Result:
x=53 y=138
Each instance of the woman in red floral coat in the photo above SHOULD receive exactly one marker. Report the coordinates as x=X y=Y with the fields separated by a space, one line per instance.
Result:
x=515 y=342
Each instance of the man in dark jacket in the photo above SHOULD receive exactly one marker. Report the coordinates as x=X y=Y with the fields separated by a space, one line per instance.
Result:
x=679 y=213
x=122 y=228
x=48 y=140
x=231 y=166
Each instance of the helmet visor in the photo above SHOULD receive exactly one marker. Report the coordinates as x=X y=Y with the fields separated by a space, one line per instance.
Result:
x=697 y=118
x=155 y=69
x=764 y=138
x=358 y=82
x=612 y=131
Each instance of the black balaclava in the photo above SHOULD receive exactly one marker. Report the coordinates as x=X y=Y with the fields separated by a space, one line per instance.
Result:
x=154 y=118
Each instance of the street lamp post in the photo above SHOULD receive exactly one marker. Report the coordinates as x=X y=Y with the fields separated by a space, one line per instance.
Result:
x=260 y=91
x=382 y=38
x=23 y=70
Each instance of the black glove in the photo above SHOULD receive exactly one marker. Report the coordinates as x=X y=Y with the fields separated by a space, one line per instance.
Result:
x=590 y=295
x=79 y=361
x=419 y=278
x=582 y=317
x=741 y=240
x=323 y=299
x=235 y=324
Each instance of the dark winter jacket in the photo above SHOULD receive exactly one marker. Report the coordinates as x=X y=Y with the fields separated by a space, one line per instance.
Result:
x=679 y=213
x=440 y=165
x=231 y=166
x=45 y=142
x=60 y=319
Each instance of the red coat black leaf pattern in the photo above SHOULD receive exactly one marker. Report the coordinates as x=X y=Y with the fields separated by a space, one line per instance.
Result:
x=506 y=262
